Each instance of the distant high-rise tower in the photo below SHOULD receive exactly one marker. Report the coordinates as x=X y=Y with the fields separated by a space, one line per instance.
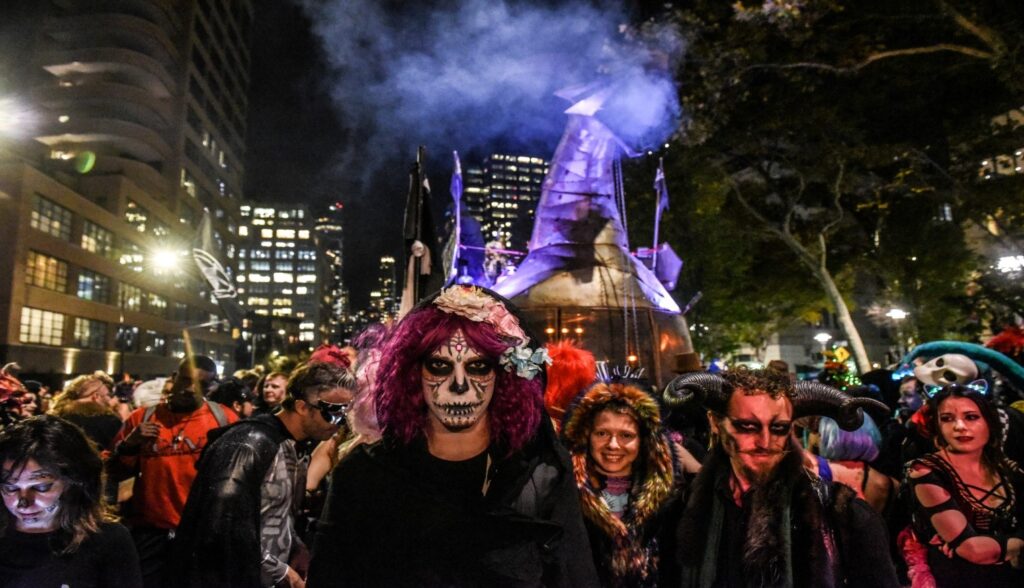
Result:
x=137 y=110
x=333 y=296
x=384 y=299
x=277 y=271
x=502 y=194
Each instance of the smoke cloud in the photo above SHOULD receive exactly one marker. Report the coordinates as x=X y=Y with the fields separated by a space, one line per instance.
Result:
x=476 y=74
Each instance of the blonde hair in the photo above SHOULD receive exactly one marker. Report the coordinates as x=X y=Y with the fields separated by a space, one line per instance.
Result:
x=75 y=388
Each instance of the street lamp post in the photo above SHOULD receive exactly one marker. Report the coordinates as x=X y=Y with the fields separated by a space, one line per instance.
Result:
x=823 y=338
x=897 y=316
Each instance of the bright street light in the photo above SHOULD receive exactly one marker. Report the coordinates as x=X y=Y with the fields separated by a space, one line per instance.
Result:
x=897 y=314
x=823 y=338
x=165 y=259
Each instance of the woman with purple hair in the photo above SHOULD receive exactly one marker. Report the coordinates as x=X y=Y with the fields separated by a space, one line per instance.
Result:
x=468 y=485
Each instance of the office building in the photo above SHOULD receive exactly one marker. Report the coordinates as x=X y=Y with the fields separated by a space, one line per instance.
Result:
x=277 y=274
x=502 y=193
x=333 y=296
x=129 y=122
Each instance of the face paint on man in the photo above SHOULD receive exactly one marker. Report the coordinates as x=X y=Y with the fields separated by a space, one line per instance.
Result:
x=458 y=384
x=755 y=434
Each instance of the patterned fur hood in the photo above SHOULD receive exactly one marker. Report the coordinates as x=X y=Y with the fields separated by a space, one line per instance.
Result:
x=655 y=476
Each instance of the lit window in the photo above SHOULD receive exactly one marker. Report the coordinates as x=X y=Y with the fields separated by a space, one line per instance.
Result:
x=41 y=326
x=129 y=297
x=46 y=272
x=285 y=278
x=51 y=218
x=259 y=278
x=266 y=233
x=243 y=231
x=93 y=286
x=301 y=290
x=304 y=234
x=90 y=334
x=282 y=302
x=97 y=239
x=286 y=233
x=304 y=278
x=282 y=312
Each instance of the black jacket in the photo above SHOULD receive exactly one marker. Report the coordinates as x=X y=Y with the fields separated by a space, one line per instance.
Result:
x=218 y=541
x=794 y=530
x=387 y=523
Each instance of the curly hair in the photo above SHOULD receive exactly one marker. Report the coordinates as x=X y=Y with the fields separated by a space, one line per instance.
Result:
x=515 y=410
x=767 y=381
x=63 y=449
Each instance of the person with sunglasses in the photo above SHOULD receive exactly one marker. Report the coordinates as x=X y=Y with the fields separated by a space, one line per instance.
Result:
x=238 y=526
x=967 y=510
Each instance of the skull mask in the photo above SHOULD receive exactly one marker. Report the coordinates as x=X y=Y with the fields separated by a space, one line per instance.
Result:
x=951 y=368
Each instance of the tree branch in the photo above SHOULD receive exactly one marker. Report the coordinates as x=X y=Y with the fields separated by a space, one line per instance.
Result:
x=879 y=56
x=984 y=34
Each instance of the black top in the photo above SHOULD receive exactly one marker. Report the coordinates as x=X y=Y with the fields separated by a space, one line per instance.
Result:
x=106 y=559
x=397 y=517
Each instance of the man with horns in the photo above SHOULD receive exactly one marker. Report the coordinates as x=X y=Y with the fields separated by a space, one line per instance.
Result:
x=754 y=516
x=468 y=485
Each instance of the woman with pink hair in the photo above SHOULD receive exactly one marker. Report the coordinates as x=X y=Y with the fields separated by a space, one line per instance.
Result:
x=468 y=485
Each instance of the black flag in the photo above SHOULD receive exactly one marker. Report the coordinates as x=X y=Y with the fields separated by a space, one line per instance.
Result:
x=204 y=252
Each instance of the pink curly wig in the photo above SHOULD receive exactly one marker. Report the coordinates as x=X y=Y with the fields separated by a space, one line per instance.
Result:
x=515 y=410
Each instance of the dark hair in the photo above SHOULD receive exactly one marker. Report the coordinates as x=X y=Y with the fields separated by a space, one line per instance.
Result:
x=315 y=377
x=201 y=362
x=231 y=390
x=63 y=449
x=770 y=381
x=992 y=454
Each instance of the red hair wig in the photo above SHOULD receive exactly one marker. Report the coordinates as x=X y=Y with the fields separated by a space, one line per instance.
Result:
x=515 y=410
x=573 y=370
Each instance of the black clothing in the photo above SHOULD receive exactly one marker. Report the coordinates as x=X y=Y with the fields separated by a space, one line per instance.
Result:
x=390 y=522
x=218 y=540
x=792 y=530
x=99 y=422
x=107 y=559
x=996 y=522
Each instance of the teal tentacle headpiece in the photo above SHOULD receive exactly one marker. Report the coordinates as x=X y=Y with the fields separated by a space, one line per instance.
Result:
x=983 y=356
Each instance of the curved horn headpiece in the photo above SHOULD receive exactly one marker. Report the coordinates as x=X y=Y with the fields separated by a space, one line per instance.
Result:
x=815 y=398
x=711 y=390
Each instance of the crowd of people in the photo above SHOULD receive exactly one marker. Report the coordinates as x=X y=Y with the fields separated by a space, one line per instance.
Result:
x=453 y=449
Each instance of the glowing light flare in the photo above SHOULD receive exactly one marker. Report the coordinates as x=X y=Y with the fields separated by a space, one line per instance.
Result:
x=897 y=314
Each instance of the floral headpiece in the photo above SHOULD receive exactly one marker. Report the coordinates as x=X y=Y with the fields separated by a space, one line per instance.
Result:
x=473 y=303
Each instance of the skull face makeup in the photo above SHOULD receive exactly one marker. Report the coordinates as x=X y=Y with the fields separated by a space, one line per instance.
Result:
x=458 y=384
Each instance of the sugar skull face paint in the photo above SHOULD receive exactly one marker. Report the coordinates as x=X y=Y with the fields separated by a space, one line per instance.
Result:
x=458 y=384
x=32 y=495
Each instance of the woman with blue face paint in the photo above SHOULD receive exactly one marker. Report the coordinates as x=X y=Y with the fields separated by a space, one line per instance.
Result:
x=57 y=529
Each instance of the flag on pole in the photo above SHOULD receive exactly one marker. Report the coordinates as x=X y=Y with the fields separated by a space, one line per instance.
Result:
x=204 y=253
x=661 y=188
x=421 y=275
x=452 y=251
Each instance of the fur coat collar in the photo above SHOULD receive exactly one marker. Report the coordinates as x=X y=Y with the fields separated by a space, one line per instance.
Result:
x=789 y=533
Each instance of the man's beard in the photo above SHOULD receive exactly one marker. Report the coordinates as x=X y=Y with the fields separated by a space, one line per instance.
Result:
x=183 y=403
x=754 y=476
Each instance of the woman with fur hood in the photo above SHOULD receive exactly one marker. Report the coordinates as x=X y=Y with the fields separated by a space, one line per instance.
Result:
x=629 y=480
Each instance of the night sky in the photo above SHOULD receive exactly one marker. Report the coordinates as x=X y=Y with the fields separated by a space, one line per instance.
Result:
x=343 y=92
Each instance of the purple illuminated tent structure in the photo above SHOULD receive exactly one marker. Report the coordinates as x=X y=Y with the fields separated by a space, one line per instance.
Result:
x=579 y=280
